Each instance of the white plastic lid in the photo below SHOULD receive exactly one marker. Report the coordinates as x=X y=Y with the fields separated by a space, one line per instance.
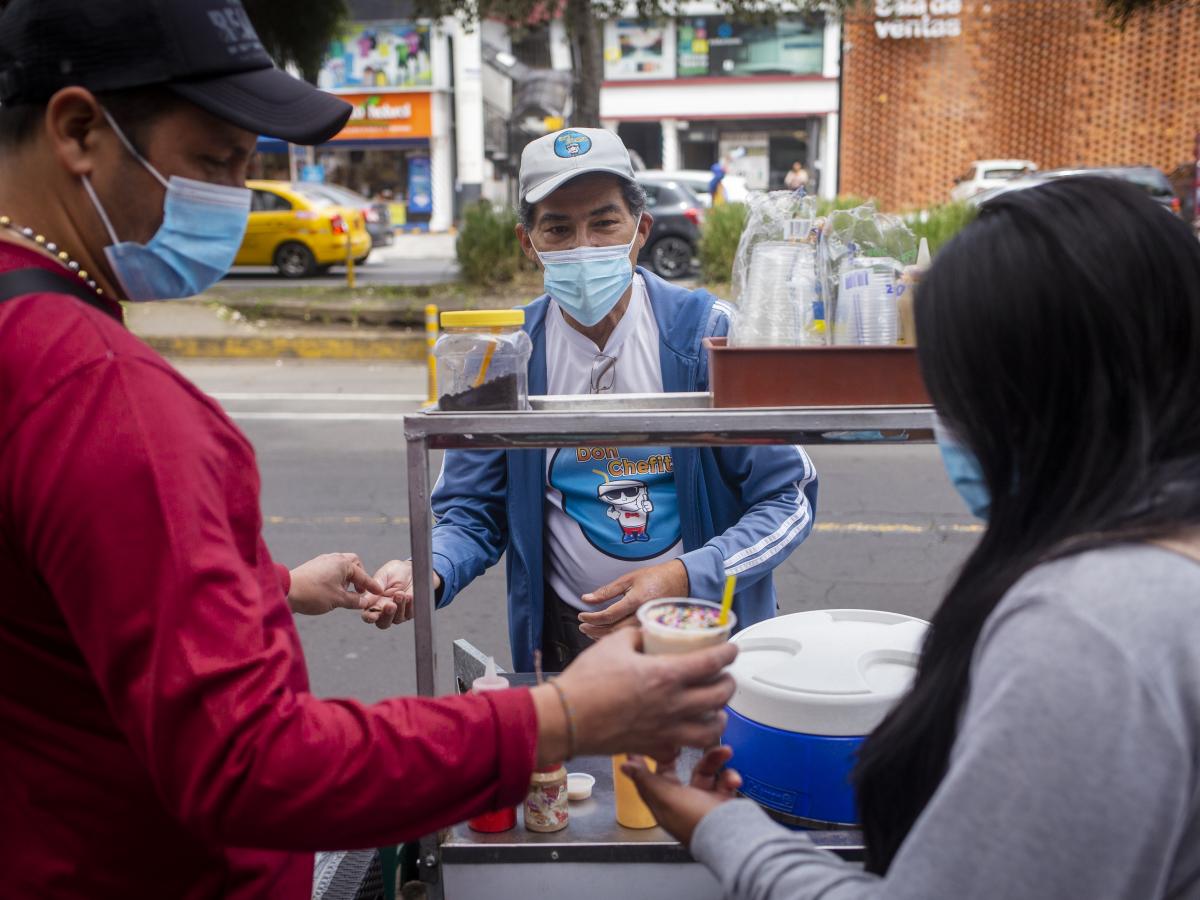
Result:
x=832 y=672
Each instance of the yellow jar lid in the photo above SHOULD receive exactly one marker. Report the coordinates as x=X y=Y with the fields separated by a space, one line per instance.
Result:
x=483 y=318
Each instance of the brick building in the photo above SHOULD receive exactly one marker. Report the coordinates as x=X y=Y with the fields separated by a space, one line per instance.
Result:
x=931 y=85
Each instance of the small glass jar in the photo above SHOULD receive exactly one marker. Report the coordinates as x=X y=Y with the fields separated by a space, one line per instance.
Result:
x=482 y=361
x=546 y=802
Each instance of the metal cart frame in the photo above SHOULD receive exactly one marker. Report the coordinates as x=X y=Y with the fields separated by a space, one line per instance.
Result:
x=677 y=420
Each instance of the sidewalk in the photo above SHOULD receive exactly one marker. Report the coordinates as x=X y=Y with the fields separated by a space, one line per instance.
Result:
x=200 y=328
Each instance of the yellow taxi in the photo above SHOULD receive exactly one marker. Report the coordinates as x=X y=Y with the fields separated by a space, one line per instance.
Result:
x=300 y=232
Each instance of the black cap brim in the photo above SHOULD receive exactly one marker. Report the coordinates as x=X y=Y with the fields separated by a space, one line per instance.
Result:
x=271 y=103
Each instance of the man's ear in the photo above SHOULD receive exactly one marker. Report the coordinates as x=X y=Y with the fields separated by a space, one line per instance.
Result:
x=643 y=230
x=72 y=126
x=527 y=246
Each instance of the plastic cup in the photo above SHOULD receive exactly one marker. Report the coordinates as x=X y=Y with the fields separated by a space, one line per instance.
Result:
x=659 y=636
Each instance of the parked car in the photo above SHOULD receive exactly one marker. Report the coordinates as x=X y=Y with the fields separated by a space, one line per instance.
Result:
x=670 y=250
x=378 y=215
x=1155 y=183
x=300 y=232
x=986 y=174
x=697 y=180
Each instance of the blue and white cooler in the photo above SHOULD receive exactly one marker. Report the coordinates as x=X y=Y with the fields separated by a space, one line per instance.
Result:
x=810 y=687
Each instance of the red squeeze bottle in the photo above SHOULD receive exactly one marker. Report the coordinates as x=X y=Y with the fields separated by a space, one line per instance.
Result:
x=501 y=819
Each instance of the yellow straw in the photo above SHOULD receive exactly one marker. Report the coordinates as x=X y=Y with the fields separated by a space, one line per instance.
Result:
x=727 y=600
x=487 y=360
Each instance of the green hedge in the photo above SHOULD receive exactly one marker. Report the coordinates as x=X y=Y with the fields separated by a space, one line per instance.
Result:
x=723 y=226
x=488 y=250
x=939 y=224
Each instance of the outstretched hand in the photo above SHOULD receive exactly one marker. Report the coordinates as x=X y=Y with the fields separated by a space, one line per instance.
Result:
x=679 y=807
x=324 y=583
x=669 y=579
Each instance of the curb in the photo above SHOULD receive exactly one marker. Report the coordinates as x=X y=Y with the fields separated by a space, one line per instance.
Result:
x=408 y=348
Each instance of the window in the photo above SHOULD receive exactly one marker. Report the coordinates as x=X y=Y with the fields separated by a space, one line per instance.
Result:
x=713 y=46
x=267 y=201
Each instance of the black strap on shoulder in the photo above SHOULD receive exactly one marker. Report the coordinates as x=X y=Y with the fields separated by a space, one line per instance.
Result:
x=19 y=282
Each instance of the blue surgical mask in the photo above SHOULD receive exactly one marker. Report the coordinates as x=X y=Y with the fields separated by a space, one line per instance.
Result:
x=202 y=229
x=587 y=282
x=964 y=470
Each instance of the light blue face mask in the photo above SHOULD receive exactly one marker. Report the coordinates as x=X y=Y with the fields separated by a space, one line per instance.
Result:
x=964 y=470
x=201 y=232
x=587 y=282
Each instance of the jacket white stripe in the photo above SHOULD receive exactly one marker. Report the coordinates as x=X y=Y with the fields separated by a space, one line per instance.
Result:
x=785 y=532
x=778 y=548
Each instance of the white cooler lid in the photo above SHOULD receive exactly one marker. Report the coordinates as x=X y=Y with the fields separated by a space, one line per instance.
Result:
x=833 y=672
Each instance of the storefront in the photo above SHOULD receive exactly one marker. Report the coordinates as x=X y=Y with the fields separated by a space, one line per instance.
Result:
x=397 y=145
x=686 y=93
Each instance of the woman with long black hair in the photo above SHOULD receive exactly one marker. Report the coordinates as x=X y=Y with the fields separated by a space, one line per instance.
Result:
x=1050 y=745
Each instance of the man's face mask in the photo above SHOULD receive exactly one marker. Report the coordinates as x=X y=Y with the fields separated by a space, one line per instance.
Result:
x=587 y=282
x=202 y=229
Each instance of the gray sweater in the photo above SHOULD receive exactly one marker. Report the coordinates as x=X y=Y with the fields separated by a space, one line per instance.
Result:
x=1074 y=774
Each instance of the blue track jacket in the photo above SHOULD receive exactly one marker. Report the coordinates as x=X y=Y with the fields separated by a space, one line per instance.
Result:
x=742 y=509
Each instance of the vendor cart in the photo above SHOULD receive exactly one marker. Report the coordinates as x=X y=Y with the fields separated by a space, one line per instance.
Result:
x=594 y=857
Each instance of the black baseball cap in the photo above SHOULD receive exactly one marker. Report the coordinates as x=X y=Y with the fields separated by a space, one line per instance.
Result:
x=203 y=50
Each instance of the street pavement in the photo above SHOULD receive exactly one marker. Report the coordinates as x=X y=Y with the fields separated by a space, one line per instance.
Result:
x=890 y=529
x=414 y=259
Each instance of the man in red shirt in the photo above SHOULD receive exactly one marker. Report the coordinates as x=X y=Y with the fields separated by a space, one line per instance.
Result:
x=157 y=734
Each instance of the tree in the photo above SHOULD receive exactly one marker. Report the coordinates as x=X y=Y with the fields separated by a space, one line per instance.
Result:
x=297 y=32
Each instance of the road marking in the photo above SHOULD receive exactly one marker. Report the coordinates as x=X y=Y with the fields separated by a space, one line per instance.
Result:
x=888 y=528
x=352 y=398
x=315 y=417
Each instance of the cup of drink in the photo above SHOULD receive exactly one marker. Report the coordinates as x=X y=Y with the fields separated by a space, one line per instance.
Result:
x=680 y=625
x=674 y=625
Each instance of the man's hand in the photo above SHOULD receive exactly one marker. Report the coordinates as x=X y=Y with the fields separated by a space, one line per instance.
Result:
x=677 y=807
x=640 y=586
x=394 y=603
x=324 y=583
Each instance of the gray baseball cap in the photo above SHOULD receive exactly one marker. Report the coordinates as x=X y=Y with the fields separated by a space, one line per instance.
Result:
x=554 y=159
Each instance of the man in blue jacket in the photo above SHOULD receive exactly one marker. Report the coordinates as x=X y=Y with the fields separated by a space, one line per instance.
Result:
x=591 y=533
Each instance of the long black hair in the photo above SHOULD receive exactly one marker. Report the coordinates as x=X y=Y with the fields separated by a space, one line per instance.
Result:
x=1059 y=336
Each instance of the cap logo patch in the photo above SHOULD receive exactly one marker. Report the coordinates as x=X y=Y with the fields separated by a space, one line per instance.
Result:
x=571 y=144
x=235 y=29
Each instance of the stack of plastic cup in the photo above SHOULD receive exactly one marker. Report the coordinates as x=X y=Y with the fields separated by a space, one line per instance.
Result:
x=853 y=280
x=878 y=309
x=769 y=314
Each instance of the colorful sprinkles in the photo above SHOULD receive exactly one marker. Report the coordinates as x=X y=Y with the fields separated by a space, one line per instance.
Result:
x=685 y=616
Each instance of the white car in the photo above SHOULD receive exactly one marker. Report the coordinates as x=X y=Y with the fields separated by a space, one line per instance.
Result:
x=698 y=180
x=986 y=174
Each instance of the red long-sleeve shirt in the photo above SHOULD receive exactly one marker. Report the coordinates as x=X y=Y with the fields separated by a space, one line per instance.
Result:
x=157 y=734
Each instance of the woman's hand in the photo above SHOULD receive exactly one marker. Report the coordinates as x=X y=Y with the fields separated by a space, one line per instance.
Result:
x=678 y=807
x=324 y=584
x=623 y=701
x=394 y=604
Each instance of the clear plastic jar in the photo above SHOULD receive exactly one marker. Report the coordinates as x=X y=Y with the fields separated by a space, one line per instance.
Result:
x=483 y=361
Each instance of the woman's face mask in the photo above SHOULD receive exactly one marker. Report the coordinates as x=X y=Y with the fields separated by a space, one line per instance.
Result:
x=588 y=282
x=201 y=232
x=964 y=471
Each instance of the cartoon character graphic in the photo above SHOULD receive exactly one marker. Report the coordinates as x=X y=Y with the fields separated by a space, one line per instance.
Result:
x=629 y=505
x=570 y=144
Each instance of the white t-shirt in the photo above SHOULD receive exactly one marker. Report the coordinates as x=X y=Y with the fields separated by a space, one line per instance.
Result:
x=608 y=510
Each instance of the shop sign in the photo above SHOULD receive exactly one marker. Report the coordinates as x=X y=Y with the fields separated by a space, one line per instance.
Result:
x=921 y=19
x=386 y=116
x=369 y=55
x=634 y=50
